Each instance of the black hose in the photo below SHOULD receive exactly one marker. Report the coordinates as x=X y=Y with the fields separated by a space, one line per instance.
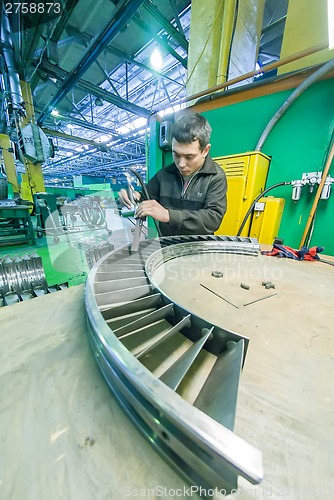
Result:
x=146 y=197
x=325 y=68
x=250 y=210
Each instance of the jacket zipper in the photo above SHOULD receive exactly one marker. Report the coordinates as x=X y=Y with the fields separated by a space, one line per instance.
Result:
x=183 y=192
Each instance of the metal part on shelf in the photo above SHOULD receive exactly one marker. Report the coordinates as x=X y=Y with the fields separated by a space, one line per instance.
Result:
x=22 y=278
x=150 y=350
x=94 y=253
x=56 y=218
x=83 y=210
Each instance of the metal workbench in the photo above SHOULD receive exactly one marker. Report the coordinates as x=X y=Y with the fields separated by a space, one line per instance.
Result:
x=15 y=225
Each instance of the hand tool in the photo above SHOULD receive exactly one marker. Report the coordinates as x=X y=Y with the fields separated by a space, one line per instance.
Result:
x=139 y=221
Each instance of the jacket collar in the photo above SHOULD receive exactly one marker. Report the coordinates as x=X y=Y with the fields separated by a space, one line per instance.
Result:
x=207 y=168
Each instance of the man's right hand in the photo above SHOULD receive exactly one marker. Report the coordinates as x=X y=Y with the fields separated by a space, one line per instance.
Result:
x=124 y=199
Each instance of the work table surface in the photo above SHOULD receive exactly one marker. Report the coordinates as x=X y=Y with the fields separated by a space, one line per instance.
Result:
x=63 y=435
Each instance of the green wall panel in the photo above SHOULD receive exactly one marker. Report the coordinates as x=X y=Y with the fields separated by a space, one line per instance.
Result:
x=298 y=143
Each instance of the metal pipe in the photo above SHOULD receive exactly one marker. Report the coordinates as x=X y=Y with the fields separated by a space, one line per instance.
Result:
x=8 y=54
x=264 y=69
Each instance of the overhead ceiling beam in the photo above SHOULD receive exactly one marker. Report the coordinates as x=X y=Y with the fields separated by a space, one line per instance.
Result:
x=28 y=51
x=56 y=72
x=93 y=126
x=73 y=138
x=270 y=43
x=114 y=164
x=59 y=25
x=120 y=19
x=84 y=124
x=112 y=99
x=72 y=31
x=109 y=80
x=167 y=26
x=275 y=24
x=67 y=11
x=145 y=27
x=176 y=15
x=86 y=142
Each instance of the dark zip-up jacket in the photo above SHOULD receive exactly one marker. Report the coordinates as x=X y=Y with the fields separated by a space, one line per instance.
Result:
x=196 y=209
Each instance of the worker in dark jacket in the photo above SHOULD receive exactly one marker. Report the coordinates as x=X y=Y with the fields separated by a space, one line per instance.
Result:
x=188 y=196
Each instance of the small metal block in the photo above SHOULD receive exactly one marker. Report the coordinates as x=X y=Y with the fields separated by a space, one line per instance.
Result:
x=217 y=274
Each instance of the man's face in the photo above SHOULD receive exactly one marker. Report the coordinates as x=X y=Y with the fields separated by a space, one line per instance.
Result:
x=189 y=157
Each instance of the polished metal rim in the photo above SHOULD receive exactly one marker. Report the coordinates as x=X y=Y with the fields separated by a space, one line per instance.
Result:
x=129 y=320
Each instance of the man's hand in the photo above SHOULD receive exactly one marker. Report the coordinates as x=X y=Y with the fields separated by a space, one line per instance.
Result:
x=124 y=199
x=153 y=209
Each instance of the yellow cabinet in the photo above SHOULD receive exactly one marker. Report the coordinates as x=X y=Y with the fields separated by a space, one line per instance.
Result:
x=246 y=178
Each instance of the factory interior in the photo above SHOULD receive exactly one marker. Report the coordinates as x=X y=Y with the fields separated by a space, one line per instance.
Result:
x=138 y=363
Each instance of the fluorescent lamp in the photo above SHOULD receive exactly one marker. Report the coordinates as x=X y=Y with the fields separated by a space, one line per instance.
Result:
x=156 y=59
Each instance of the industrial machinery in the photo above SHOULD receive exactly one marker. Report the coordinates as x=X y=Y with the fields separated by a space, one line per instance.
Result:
x=15 y=223
x=132 y=320
x=21 y=139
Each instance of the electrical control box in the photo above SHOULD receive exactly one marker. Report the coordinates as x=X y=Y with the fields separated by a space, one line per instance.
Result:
x=246 y=175
x=165 y=135
x=266 y=219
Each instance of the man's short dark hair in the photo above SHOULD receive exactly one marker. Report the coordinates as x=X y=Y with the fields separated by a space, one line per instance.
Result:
x=191 y=126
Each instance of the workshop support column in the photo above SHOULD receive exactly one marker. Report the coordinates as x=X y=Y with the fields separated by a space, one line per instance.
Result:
x=211 y=37
x=306 y=25
x=246 y=40
x=33 y=179
x=9 y=163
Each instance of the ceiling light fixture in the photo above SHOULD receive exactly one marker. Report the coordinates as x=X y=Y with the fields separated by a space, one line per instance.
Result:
x=156 y=59
x=98 y=101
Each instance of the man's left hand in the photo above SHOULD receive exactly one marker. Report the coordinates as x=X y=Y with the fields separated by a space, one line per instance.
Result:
x=153 y=209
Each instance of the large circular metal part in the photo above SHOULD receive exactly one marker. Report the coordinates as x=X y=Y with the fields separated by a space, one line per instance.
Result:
x=174 y=372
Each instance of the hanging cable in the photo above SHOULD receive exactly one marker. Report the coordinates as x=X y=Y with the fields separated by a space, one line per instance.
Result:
x=236 y=12
x=251 y=208
x=146 y=197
